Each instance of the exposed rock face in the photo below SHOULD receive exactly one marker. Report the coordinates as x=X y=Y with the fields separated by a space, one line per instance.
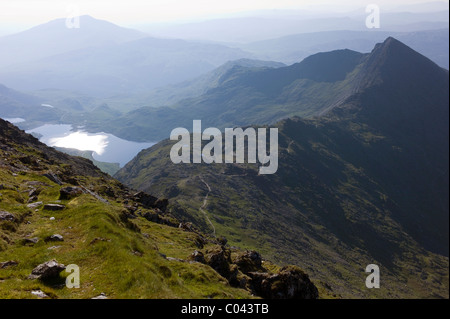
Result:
x=47 y=270
x=156 y=218
x=249 y=261
x=33 y=195
x=67 y=193
x=149 y=201
x=10 y=263
x=55 y=237
x=219 y=259
x=152 y=217
x=39 y=294
x=198 y=256
x=290 y=283
x=35 y=205
x=51 y=176
x=245 y=270
x=7 y=216
x=101 y=296
x=145 y=199
x=162 y=204
x=31 y=241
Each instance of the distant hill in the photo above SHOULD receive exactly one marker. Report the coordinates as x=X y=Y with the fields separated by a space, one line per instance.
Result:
x=365 y=181
x=55 y=38
x=14 y=104
x=171 y=94
x=434 y=44
x=104 y=68
x=269 y=24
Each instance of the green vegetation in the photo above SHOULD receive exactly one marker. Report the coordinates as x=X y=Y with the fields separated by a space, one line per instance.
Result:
x=239 y=96
x=109 y=168
x=365 y=183
x=126 y=245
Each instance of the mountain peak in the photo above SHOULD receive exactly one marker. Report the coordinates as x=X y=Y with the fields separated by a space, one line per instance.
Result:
x=328 y=66
x=392 y=46
x=54 y=37
x=394 y=62
x=391 y=41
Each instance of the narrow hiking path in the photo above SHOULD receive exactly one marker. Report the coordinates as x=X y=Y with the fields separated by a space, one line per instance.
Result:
x=205 y=203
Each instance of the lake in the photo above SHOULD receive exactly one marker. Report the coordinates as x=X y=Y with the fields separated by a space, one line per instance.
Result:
x=106 y=147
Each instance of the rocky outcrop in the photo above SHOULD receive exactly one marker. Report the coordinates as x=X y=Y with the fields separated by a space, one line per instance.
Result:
x=198 y=256
x=164 y=220
x=30 y=241
x=7 y=216
x=219 y=258
x=149 y=201
x=50 y=269
x=245 y=270
x=55 y=237
x=67 y=193
x=290 y=283
x=35 y=205
x=248 y=261
x=10 y=263
x=39 y=294
x=33 y=195
x=53 y=177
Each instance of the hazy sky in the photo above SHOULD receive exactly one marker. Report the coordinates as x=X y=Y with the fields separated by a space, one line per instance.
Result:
x=14 y=13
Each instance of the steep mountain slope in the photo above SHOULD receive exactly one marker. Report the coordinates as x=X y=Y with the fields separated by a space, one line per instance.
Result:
x=172 y=94
x=256 y=96
x=14 y=104
x=54 y=38
x=367 y=182
x=55 y=209
x=249 y=95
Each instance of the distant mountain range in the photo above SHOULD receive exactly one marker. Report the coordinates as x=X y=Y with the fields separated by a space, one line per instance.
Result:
x=80 y=109
x=434 y=44
x=253 y=95
x=364 y=180
x=54 y=38
x=266 y=25
x=102 y=59
x=14 y=104
x=171 y=94
x=363 y=157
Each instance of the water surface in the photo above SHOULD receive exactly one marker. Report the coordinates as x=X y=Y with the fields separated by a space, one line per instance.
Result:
x=106 y=147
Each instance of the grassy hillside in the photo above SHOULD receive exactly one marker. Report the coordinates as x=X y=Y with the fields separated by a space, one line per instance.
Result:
x=366 y=182
x=325 y=209
x=109 y=168
x=127 y=245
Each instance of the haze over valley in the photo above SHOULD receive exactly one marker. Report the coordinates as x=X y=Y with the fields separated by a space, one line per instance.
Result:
x=88 y=103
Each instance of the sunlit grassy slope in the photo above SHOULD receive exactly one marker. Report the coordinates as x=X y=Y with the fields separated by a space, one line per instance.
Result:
x=119 y=254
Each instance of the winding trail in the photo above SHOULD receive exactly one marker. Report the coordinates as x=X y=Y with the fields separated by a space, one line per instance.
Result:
x=205 y=203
